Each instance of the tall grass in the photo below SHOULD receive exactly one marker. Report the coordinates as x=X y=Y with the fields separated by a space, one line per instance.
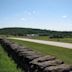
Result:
x=6 y=63
x=61 y=53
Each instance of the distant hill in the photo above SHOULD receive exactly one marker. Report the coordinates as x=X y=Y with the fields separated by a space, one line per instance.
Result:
x=25 y=31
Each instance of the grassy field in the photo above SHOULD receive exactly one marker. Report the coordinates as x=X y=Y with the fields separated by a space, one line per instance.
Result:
x=6 y=63
x=61 y=53
x=68 y=40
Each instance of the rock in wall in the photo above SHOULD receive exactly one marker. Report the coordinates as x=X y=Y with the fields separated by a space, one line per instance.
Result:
x=31 y=61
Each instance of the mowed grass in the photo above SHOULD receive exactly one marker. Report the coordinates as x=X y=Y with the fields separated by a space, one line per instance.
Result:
x=68 y=40
x=6 y=63
x=61 y=53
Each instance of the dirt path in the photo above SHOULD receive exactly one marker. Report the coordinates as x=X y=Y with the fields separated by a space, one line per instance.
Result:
x=53 y=43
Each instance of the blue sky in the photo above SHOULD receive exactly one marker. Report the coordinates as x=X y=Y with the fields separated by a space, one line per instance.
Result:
x=43 y=14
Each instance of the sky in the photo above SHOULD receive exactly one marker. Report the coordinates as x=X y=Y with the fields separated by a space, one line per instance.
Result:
x=41 y=14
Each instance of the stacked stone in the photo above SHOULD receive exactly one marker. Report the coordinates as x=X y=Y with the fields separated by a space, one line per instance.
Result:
x=31 y=61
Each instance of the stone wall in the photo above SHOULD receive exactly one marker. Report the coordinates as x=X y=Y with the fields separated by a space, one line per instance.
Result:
x=31 y=61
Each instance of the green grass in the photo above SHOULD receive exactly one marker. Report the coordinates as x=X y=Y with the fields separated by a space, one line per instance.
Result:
x=6 y=63
x=61 y=53
x=68 y=40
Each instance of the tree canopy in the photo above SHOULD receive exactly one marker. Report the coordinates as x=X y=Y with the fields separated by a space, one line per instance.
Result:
x=41 y=32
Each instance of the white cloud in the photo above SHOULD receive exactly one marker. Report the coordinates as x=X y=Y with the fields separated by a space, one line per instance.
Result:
x=29 y=13
x=34 y=12
x=26 y=12
x=64 y=16
x=23 y=19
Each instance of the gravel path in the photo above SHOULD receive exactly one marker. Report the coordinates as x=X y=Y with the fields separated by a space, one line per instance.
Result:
x=53 y=43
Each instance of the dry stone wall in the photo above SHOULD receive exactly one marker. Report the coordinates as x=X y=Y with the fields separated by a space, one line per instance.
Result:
x=31 y=61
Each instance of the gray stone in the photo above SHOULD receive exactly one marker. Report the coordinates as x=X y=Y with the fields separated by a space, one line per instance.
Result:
x=49 y=63
x=43 y=59
x=58 y=68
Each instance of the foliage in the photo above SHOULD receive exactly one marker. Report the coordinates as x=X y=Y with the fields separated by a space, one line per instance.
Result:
x=67 y=40
x=25 y=31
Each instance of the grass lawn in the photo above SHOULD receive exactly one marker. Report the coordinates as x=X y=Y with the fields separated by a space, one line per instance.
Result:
x=61 y=53
x=68 y=40
x=6 y=63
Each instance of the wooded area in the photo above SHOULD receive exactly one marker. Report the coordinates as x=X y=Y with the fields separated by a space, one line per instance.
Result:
x=40 y=32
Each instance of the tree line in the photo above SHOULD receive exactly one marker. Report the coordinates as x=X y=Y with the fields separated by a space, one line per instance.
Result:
x=40 y=32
